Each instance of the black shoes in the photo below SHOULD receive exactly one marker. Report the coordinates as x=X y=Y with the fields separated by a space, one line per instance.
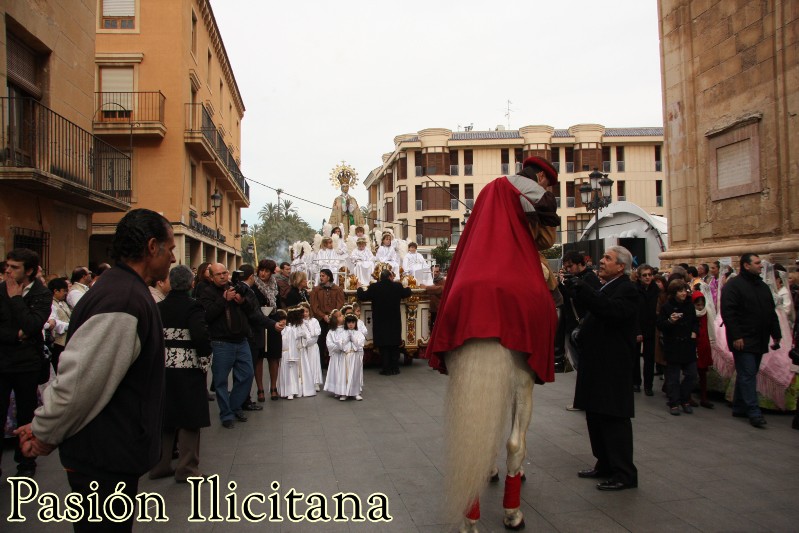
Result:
x=636 y=388
x=649 y=392
x=592 y=473
x=227 y=424
x=758 y=422
x=614 y=485
x=240 y=417
x=392 y=372
x=252 y=406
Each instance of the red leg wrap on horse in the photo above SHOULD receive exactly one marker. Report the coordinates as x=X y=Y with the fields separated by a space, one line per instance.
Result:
x=513 y=489
x=474 y=511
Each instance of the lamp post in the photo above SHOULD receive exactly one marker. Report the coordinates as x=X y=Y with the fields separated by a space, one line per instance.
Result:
x=239 y=235
x=216 y=203
x=596 y=196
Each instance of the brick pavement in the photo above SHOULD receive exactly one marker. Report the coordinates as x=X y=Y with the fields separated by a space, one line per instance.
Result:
x=701 y=472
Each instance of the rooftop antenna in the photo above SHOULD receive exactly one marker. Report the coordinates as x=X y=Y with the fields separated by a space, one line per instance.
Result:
x=470 y=127
x=507 y=113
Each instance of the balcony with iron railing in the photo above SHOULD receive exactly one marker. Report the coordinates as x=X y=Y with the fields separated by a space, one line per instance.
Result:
x=208 y=143
x=139 y=114
x=44 y=153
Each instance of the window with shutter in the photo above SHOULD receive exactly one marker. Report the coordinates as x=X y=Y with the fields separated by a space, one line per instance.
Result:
x=119 y=14
x=116 y=88
x=23 y=66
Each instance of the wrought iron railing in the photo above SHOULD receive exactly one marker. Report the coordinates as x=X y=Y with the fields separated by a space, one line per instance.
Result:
x=129 y=107
x=198 y=120
x=34 y=136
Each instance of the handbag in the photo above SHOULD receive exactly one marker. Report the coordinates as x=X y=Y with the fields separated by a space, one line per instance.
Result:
x=794 y=355
x=573 y=344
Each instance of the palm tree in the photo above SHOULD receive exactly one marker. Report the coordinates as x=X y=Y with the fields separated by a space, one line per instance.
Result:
x=269 y=212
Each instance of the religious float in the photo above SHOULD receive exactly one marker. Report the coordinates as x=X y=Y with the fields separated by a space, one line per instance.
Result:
x=347 y=247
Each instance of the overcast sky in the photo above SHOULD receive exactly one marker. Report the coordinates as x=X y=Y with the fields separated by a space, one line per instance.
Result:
x=326 y=81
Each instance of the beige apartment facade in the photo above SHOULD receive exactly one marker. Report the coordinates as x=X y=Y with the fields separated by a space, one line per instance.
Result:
x=424 y=187
x=164 y=85
x=730 y=74
x=55 y=175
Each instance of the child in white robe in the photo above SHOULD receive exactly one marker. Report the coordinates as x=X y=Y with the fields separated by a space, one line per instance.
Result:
x=347 y=380
x=333 y=341
x=313 y=329
x=363 y=261
x=288 y=376
x=416 y=265
x=387 y=254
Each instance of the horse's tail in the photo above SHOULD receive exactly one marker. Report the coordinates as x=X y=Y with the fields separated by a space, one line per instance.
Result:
x=477 y=410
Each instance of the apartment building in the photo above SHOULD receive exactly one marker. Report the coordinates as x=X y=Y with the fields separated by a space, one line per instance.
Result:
x=426 y=185
x=55 y=175
x=165 y=92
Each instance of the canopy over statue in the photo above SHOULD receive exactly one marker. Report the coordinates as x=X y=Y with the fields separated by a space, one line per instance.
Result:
x=345 y=207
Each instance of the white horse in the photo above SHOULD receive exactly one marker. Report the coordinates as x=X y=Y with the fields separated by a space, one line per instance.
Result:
x=487 y=381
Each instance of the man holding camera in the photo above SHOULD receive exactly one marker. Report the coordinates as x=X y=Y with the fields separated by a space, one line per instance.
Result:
x=604 y=388
x=227 y=311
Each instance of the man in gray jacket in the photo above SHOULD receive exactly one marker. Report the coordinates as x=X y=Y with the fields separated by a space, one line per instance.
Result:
x=103 y=410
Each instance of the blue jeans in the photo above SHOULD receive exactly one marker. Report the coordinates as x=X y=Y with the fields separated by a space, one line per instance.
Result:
x=231 y=356
x=744 y=399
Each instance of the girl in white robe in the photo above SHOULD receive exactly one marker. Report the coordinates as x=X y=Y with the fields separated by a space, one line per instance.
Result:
x=387 y=254
x=346 y=379
x=288 y=376
x=333 y=341
x=312 y=329
x=327 y=257
x=363 y=262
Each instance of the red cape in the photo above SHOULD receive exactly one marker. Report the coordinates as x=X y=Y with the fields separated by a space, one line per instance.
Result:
x=495 y=286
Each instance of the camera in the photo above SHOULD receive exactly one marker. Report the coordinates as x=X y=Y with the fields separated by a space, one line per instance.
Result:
x=237 y=284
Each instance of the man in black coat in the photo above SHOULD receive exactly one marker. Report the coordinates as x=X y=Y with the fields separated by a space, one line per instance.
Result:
x=747 y=308
x=604 y=382
x=24 y=308
x=386 y=296
x=648 y=292
x=572 y=311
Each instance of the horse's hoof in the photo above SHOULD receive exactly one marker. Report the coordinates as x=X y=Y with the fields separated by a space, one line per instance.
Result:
x=517 y=527
x=468 y=526
x=524 y=477
x=494 y=478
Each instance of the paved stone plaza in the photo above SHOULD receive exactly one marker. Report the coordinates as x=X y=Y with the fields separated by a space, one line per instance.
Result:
x=701 y=472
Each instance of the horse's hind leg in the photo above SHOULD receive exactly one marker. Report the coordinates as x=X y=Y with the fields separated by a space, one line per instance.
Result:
x=517 y=448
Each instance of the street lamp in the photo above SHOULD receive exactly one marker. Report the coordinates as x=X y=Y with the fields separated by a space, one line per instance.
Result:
x=596 y=195
x=244 y=228
x=216 y=203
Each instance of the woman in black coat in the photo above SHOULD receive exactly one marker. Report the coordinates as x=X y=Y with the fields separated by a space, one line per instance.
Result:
x=678 y=323
x=188 y=356
x=268 y=294
x=298 y=293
